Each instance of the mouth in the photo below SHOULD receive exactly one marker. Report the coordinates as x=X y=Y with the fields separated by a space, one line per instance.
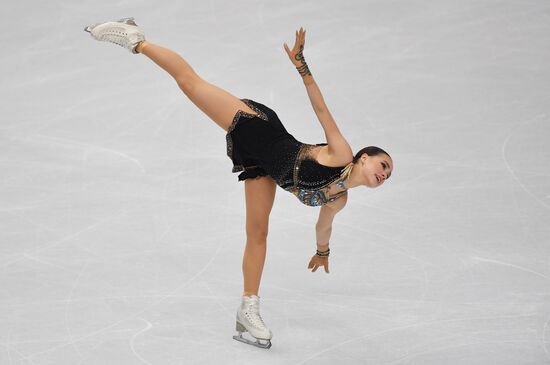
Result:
x=377 y=179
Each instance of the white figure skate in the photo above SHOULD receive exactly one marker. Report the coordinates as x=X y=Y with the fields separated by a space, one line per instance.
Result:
x=249 y=320
x=124 y=32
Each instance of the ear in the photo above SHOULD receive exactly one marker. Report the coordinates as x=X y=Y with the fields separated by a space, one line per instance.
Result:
x=363 y=158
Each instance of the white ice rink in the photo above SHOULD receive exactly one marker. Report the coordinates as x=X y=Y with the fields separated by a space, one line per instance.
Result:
x=122 y=228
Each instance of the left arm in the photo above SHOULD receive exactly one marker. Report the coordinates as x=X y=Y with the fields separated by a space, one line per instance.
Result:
x=323 y=230
x=323 y=227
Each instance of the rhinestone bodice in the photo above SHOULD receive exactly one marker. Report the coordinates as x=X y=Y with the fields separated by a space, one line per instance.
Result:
x=260 y=145
x=312 y=181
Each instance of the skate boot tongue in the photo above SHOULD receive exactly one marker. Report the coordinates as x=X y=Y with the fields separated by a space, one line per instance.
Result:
x=252 y=302
x=251 y=298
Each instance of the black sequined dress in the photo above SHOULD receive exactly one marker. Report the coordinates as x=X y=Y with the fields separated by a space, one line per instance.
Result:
x=260 y=145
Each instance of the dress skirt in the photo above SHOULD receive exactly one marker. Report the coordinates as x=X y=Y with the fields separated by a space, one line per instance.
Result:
x=251 y=140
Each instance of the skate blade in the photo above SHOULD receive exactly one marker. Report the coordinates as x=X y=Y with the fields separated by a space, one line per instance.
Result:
x=130 y=21
x=256 y=343
x=89 y=28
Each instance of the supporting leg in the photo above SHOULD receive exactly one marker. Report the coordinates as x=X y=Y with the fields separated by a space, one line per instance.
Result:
x=259 y=196
x=253 y=265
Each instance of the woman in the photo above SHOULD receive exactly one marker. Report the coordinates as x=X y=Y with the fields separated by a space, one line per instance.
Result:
x=260 y=146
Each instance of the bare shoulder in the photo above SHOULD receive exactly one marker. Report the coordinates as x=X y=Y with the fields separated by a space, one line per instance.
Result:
x=334 y=159
x=338 y=148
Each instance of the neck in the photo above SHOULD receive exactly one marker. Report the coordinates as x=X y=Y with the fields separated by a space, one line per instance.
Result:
x=355 y=178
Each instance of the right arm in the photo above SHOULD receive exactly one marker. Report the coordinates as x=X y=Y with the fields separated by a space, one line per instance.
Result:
x=297 y=58
x=337 y=144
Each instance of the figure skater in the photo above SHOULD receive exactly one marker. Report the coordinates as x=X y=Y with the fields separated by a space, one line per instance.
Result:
x=259 y=145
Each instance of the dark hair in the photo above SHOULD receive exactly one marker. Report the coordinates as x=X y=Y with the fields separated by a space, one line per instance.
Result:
x=371 y=151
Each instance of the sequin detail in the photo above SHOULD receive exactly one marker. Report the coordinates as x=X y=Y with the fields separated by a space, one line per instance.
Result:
x=229 y=140
x=268 y=149
x=316 y=196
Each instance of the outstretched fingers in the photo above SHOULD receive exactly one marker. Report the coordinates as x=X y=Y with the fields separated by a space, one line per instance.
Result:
x=300 y=39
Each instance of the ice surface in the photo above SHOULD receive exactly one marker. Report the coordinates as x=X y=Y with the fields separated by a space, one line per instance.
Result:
x=122 y=227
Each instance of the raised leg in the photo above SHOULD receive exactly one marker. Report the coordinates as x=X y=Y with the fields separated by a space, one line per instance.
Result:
x=215 y=102
x=259 y=195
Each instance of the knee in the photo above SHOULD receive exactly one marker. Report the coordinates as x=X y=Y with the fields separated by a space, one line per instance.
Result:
x=188 y=82
x=257 y=233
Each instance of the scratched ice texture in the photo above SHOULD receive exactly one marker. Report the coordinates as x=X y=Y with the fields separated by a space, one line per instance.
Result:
x=122 y=228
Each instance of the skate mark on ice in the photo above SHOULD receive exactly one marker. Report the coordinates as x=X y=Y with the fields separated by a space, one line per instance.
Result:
x=510 y=170
x=60 y=241
x=446 y=347
x=512 y=265
x=68 y=301
x=399 y=248
x=545 y=339
x=132 y=316
x=132 y=341
x=379 y=333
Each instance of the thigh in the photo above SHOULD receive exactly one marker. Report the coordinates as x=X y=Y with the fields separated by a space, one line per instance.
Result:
x=218 y=104
x=259 y=195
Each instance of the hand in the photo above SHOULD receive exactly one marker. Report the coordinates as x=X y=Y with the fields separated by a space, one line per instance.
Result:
x=296 y=55
x=317 y=261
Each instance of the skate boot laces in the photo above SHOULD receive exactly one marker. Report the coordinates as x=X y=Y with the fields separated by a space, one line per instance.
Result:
x=252 y=312
x=124 y=33
x=116 y=35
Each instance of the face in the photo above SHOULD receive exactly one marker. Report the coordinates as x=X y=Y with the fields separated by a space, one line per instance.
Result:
x=375 y=169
